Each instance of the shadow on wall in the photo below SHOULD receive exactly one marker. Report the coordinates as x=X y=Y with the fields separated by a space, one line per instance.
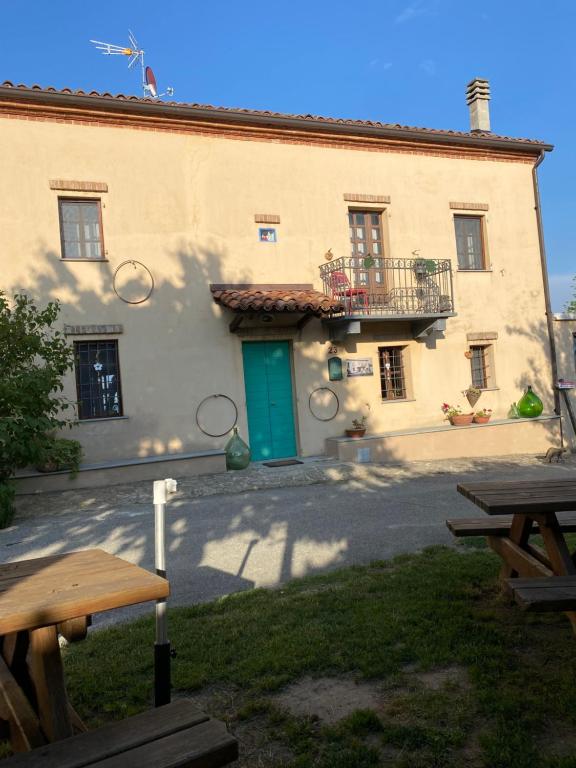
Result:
x=564 y=331
x=175 y=351
x=539 y=378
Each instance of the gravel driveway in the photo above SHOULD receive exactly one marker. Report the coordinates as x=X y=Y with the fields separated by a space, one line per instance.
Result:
x=305 y=520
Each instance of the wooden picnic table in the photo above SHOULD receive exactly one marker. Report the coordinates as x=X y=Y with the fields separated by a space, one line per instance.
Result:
x=534 y=508
x=38 y=599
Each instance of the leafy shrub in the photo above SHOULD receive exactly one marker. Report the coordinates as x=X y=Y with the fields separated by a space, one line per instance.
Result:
x=60 y=453
x=7 y=493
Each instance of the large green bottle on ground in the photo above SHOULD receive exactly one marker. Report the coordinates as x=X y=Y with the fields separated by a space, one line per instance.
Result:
x=237 y=452
x=530 y=405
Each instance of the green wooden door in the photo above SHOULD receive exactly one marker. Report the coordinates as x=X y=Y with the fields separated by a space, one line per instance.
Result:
x=268 y=382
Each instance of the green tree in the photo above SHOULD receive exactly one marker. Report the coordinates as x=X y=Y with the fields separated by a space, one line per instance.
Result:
x=570 y=306
x=34 y=357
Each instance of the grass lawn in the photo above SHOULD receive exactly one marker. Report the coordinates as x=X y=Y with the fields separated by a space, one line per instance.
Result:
x=421 y=658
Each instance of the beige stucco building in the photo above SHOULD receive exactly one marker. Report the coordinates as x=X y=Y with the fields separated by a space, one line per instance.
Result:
x=210 y=262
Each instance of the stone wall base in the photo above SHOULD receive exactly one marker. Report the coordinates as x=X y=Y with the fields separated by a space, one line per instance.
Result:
x=127 y=471
x=505 y=437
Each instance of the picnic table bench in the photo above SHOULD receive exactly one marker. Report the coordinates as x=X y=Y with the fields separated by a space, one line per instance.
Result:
x=174 y=736
x=555 y=593
x=499 y=525
x=540 y=578
x=40 y=598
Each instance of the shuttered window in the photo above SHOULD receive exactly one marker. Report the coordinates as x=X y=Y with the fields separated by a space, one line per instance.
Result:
x=469 y=242
x=81 y=229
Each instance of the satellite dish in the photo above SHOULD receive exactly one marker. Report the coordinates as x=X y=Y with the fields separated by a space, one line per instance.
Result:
x=151 y=82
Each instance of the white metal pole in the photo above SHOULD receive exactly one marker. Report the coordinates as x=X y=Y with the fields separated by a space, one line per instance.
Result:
x=162 y=645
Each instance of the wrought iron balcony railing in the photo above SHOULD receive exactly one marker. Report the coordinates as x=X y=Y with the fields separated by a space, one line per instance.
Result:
x=378 y=287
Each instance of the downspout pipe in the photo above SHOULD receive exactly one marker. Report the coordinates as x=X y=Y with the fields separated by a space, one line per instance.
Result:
x=549 y=315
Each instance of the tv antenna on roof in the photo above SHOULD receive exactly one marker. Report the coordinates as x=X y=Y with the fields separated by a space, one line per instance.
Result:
x=135 y=54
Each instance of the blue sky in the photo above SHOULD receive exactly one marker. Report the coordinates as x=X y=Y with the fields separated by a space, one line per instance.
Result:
x=391 y=60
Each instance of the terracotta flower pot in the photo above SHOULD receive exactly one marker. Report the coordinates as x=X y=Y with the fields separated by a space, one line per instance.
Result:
x=481 y=419
x=355 y=432
x=49 y=466
x=461 y=419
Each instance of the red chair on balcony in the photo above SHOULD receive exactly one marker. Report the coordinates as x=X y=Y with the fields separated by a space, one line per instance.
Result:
x=341 y=289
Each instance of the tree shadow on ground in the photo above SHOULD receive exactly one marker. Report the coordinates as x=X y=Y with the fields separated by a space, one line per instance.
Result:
x=222 y=544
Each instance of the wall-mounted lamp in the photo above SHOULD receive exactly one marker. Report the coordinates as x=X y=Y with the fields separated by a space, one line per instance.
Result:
x=335 y=369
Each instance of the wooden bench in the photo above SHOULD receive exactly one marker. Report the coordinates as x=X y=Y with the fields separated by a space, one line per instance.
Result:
x=554 y=593
x=499 y=525
x=175 y=736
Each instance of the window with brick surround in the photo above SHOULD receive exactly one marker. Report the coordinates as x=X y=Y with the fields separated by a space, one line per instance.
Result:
x=470 y=242
x=481 y=366
x=81 y=228
x=392 y=373
x=97 y=379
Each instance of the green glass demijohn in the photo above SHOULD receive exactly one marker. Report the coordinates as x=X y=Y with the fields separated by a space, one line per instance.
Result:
x=237 y=452
x=530 y=405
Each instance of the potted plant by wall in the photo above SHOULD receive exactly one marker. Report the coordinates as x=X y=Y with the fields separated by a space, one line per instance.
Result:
x=59 y=454
x=358 y=427
x=455 y=416
x=483 y=416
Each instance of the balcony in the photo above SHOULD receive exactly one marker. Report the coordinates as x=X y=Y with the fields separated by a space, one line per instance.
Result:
x=371 y=289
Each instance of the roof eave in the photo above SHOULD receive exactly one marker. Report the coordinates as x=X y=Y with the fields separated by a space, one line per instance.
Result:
x=160 y=109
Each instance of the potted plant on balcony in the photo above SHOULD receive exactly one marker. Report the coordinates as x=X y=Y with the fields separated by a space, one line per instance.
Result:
x=358 y=427
x=444 y=303
x=483 y=416
x=455 y=416
x=423 y=267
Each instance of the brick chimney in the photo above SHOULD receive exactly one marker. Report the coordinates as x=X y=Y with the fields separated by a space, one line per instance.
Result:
x=477 y=98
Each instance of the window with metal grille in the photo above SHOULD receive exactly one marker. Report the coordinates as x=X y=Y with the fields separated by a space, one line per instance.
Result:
x=97 y=379
x=392 y=378
x=469 y=242
x=479 y=367
x=366 y=246
x=81 y=229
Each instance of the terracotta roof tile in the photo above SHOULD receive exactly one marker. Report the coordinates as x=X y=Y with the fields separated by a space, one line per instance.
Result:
x=336 y=121
x=275 y=300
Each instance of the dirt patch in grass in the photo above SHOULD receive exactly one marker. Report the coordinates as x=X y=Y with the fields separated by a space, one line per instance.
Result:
x=249 y=720
x=220 y=701
x=329 y=699
x=258 y=746
x=449 y=677
x=560 y=741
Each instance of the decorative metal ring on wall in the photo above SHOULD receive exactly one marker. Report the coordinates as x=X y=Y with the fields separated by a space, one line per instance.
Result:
x=335 y=396
x=210 y=434
x=147 y=289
